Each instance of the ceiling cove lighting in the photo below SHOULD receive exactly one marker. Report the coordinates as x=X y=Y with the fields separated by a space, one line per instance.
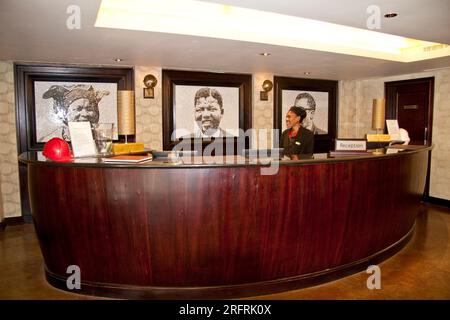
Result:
x=204 y=19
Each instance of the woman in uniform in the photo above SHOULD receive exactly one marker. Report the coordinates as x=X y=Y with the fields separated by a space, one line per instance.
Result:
x=297 y=142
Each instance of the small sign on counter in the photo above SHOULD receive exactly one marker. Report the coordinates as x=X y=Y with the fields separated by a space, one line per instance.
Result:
x=350 y=145
x=81 y=137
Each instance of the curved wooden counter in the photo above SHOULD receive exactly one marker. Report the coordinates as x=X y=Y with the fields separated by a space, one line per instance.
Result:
x=208 y=231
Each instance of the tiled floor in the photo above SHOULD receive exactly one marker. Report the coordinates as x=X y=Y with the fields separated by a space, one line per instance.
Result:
x=421 y=270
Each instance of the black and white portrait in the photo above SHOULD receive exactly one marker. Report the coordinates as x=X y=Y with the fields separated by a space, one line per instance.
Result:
x=58 y=103
x=315 y=103
x=206 y=112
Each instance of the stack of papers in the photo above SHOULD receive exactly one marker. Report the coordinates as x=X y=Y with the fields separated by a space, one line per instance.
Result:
x=129 y=159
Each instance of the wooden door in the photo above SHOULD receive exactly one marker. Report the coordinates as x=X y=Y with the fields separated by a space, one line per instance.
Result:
x=411 y=103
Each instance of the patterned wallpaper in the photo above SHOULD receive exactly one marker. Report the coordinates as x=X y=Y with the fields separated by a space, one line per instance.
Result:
x=440 y=164
x=9 y=172
x=262 y=112
x=355 y=109
x=148 y=111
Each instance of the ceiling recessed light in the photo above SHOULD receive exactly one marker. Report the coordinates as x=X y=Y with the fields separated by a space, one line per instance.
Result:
x=265 y=54
x=390 y=15
x=307 y=73
x=118 y=59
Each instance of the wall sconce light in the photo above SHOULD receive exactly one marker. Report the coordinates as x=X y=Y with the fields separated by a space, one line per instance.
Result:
x=125 y=113
x=150 y=82
x=267 y=86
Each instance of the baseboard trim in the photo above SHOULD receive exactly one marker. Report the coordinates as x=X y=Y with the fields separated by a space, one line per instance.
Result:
x=437 y=201
x=13 y=221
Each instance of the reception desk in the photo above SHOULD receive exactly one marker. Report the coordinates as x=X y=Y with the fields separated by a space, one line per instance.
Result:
x=179 y=230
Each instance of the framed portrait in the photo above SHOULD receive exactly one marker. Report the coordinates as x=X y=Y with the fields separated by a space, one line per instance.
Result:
x=204 y=107
x=318 y=98
x=205 y=111
x=56 y=103
x=50 y=96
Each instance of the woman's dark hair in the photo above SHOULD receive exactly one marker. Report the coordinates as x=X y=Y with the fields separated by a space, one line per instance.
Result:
x=299 y=111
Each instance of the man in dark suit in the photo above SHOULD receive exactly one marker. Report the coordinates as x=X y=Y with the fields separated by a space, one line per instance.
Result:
x=297 y=142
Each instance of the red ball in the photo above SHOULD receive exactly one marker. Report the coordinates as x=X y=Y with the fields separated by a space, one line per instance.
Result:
x=57 y=149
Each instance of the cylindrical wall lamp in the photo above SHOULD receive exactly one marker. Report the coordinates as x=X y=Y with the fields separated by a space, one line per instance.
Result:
x=378 y=114
x=126 y=113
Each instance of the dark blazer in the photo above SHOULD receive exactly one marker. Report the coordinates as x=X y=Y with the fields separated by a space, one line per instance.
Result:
x=303 y=143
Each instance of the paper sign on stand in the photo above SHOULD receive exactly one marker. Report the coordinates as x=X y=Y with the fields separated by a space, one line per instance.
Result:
x=83 y=144
x=393 y=129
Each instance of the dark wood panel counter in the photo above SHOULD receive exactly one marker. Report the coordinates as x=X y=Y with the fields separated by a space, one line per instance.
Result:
x=202 y=230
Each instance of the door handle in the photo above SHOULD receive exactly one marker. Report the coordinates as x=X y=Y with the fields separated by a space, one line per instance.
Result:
x=425 y=134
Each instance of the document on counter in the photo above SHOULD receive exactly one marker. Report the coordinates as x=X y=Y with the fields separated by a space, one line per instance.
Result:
x=83 y=144
x=393 y=129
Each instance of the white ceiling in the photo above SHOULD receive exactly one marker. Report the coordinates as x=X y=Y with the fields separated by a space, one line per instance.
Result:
x=35 y=30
